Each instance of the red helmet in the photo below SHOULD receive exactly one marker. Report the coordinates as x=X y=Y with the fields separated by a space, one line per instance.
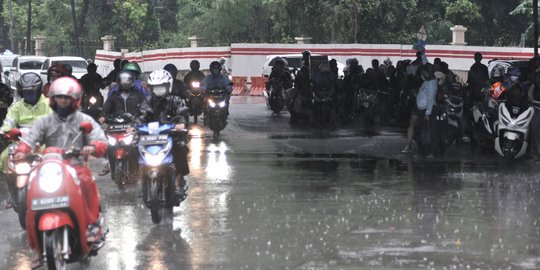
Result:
x=66 y=86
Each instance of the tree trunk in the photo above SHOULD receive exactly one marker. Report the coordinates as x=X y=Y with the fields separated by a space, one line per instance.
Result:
x=84 y=13
x=29 y=29
x=75 y=31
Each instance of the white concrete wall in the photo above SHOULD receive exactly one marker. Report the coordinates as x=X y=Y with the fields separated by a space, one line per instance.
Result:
x=247 y=59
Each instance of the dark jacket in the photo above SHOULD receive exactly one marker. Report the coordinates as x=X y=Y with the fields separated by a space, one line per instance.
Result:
x=179 y=89
x=116 y=104
x=170 y=109
x=478 y=76
x=91 y=83
x=193 y=76
x=284 y=76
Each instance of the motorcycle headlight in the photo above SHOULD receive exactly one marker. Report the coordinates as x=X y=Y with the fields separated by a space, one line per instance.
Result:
x=154 y=160
x=211 y=103
x=128 y=139
x=112 y=141
x=222 y=104
x=23 y=168
x=93 y=100
x=195 y=84
x=50 y=177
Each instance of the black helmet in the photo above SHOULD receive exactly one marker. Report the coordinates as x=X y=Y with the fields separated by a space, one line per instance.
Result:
x=215 y=67
x=29 y=82
x=91 y=67
x=171 y=68
x=195 y=65
x=280 y=62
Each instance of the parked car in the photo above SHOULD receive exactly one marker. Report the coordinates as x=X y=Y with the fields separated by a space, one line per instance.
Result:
x=294 y=61
x=6 y=60
x=78 y=65
x=22 y=65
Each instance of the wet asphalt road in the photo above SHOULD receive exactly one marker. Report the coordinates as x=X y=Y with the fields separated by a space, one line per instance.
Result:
x=267 y=196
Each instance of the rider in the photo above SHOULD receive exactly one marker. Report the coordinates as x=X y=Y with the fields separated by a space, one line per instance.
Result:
x=62 y=126
x=216 y=79
x=178 y=87
x=163 y=107
x=497 y=87
x=111 y=77
x=280 y=73
x=127 y=100
x=194 y=75
x=224 y=69
x=92 y=82
x=138 y=84
x=24 y=112
x=54 y=72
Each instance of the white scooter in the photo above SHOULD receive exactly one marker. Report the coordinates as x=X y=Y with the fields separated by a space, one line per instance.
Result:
x=513 y=131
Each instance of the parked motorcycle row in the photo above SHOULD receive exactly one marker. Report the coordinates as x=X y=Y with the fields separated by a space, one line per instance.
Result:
x=358 y=98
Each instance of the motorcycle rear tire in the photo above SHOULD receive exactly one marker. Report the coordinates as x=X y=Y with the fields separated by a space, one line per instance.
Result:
x=195 y=118
x=53 y=249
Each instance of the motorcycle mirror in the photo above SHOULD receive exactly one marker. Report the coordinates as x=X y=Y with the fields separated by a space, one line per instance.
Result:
x=86 y=127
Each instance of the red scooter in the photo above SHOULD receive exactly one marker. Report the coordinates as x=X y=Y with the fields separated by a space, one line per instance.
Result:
x=56 y=220
x=17 y=175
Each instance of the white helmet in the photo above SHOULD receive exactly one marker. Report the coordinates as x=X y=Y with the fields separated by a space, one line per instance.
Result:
x=497 y=71
x=160 y=82
x=222 y=60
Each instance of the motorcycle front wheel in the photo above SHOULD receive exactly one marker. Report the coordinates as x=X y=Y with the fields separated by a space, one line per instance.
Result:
x=53 y=249
x=156 y=211
x=21 y=211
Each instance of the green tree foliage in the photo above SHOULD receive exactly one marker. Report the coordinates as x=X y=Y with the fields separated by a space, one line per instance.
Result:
x=145 y=24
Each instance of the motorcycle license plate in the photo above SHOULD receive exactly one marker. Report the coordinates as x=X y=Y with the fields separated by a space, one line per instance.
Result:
x=50 y=203
x=153 y=139
x=118 y=128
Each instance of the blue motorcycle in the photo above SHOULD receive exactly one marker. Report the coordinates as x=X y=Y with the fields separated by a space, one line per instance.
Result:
x=157 y=167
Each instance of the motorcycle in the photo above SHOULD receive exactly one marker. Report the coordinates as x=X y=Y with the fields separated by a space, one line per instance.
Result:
x=157 y=168
x=513 y=131
x=453 y=106
x=122 y=161
x=17 y=175
x=217 y=110
x=485 y=121
x=274 y=96
x=405 y=106
x=321 y=109
x=196 y=100
x=366 y=103
x=429 y=134
x=93 y=106
x=56 y=221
